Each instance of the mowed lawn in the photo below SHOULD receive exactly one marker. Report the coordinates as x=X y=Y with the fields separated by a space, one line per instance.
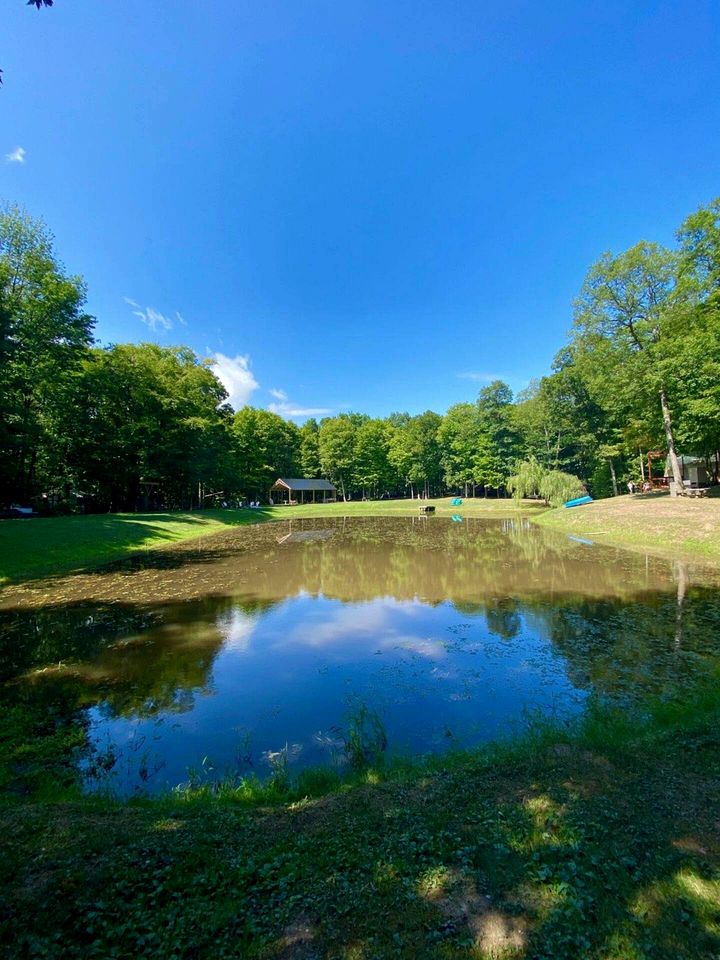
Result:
x=43 y=547
x=654 y=523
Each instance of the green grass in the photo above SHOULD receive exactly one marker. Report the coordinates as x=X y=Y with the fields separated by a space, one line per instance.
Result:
x=36 y=548
x=599 y=842
x=656 y=523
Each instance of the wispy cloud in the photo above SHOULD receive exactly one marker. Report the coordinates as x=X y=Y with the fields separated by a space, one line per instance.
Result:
x=236 y=376
x=286 y=408
x=16 y=156
x=152 y=317
x=481 y=377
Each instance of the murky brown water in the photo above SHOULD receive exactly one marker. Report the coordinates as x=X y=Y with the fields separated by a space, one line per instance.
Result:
x=220 y=653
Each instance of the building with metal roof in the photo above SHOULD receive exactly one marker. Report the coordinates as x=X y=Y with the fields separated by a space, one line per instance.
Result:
x=289 y=490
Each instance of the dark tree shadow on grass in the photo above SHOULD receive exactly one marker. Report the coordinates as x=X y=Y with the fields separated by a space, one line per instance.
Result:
x=84 y=545
x=574 y=854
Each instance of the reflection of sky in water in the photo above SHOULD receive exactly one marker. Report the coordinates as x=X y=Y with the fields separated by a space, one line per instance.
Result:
x=289 y=675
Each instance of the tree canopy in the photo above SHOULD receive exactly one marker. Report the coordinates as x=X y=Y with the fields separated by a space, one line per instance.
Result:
x=139 y=425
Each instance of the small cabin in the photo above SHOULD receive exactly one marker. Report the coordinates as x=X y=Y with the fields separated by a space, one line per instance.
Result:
x=695 y=470
x=292 y=490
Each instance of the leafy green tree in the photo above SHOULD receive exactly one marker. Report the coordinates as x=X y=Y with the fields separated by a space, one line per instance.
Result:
x=699 y=238
x=623 y=324
x=151 y=429
x=554 y=486
x=265 y=447
x=696 y=347
x=459 y=441
x=372 y=465
x=558 y=487
x=310 y=449
x=527 y=480
x=415 y=452
x=557 y=420
x=489 y=469
x=44 y=336
x=337 y=449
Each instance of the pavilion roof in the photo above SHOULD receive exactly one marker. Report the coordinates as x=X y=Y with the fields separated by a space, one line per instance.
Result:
x=298 y=483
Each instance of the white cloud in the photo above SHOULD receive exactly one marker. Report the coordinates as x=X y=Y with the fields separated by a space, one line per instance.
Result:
x=236 y=376
x=16 y=156
x=292 y=410
x=152 y=317
x=286 y=408
x=481 y=377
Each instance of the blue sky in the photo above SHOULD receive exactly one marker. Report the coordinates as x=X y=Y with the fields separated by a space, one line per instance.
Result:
x=369 y=206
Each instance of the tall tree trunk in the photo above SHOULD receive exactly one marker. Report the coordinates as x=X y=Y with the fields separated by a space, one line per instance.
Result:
x=613 y=476
x=674 y=462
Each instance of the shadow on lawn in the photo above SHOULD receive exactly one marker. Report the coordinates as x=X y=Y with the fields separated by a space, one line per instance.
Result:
x=103 y=543
x=606 y=847
x=556 y=851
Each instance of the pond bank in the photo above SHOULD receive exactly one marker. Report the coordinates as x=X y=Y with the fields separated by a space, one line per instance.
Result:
x=596 y=838
x=654 y=523
x=600 y=841
x=32 y=549
x=45 y=547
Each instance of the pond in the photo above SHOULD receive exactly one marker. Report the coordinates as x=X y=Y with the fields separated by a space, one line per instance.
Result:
x=270 y=644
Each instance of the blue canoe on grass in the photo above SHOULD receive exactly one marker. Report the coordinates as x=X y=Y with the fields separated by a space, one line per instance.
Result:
x=578 y=502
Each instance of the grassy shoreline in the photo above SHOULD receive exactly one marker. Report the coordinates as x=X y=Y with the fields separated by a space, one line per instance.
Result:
x=39 y=548
x=677 y=528
x=598 y=841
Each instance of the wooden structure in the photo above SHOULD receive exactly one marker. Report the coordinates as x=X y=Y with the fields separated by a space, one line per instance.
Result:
x=291 y=490
x=658 y=483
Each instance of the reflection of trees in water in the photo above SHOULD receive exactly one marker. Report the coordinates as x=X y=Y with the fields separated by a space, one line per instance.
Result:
x=36 y=637
x=435 y=561
x=629 y=650
x=158 y=663
x=503 y=618
x=131 y=663
x=622 y=624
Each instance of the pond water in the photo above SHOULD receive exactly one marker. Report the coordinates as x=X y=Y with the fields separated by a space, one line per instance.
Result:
x=265 y=644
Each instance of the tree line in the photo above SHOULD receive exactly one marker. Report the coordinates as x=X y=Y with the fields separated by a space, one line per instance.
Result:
x=131 y=426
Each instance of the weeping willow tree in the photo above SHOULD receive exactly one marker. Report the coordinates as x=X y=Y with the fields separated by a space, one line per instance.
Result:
x=554 y=486
x=527 y=480
x=558 y=487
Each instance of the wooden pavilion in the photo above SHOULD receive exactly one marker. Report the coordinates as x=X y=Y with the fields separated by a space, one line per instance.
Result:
x=296 y=490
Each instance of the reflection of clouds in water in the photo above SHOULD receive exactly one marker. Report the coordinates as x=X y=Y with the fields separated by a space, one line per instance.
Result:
x=367 y=628
x=236 y=629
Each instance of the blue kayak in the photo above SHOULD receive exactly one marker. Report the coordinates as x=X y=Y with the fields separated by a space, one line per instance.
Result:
x=578 y=501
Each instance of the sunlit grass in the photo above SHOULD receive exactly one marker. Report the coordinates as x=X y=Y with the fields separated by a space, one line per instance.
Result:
x=42 y=547
x=657 y=523
x=528 y=847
